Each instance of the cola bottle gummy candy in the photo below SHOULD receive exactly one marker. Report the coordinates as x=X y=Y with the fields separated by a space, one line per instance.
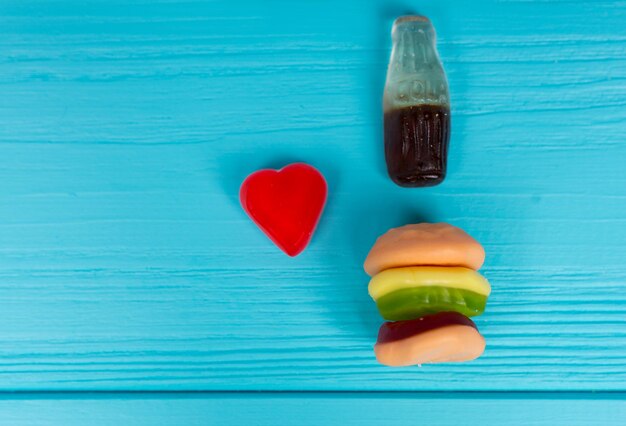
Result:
x=416 y=106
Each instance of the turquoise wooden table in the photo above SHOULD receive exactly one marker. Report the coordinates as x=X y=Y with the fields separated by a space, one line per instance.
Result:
x=134 y=290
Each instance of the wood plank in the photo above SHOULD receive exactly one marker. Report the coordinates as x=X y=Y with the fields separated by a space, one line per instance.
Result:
x=314 y=409
x=125 y=131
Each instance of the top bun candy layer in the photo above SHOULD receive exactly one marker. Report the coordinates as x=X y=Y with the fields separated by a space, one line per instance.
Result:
x=424 y=244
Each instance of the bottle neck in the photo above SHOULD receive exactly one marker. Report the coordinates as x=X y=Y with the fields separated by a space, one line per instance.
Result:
x=415 y=74
x=413 y=44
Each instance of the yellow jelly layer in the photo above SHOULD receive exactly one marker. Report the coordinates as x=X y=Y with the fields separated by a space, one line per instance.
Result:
x=390 y=280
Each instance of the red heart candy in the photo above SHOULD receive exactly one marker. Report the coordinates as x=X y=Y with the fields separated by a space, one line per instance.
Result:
x=286 y=204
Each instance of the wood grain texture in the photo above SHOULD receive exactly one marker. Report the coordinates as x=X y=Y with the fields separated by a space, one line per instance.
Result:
x=313 y=409
x=126 y=262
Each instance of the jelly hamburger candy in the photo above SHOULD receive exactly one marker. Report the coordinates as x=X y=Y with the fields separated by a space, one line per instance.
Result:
x=425 y=279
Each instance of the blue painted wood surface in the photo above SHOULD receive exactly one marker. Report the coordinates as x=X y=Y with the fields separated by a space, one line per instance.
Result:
x=126 y=129
x=306 y=409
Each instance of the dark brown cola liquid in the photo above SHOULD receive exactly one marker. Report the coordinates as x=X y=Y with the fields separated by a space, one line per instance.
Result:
x=416 y=144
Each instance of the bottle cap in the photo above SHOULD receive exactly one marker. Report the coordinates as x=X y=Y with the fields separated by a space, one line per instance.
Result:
x=411 y=18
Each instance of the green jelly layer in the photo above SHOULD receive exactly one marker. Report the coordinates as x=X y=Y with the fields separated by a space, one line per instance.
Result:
x=411 y=303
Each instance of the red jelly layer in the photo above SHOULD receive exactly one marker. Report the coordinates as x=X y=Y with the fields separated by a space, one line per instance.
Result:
x=393 y=331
